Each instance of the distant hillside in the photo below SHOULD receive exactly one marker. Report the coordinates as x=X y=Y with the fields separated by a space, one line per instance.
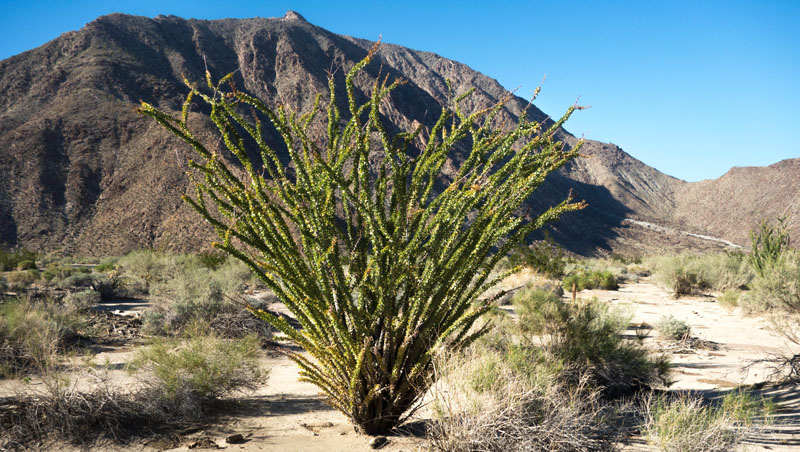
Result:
x=81 y=173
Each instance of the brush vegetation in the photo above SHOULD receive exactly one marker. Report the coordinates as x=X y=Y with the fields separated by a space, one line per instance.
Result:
x=34 y=332
x=690 y=424
x=687 y=274
x=551 y=380
x=587 y=338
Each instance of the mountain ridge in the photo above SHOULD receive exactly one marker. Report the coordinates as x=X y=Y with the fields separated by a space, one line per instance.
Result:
x=82 y=174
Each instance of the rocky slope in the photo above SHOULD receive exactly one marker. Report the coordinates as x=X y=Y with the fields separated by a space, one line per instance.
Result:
x=81 y=173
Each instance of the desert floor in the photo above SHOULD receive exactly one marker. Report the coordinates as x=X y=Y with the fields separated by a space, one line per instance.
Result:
x=288 y=415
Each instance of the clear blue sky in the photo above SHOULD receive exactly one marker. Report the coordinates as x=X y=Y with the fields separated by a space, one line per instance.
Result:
x=690 y=87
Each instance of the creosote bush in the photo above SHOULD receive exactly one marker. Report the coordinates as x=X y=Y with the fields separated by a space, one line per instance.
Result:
x=21 y=259
x=202 y=365
x=591 y=280
x=586 y=337
x=382 y=261
x=544 y=256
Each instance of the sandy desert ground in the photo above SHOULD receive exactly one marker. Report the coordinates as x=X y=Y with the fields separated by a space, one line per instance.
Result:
x=287 y=415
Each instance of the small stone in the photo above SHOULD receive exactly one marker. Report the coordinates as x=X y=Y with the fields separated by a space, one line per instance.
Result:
x=378 y=442
x=235 y=439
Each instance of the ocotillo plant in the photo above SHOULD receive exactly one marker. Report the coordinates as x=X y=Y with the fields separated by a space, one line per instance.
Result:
x=768 y=244
x=382 y=264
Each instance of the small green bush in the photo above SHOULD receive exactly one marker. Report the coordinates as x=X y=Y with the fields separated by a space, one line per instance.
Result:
x=20 y=260
x=211 y=260
x=671 y=328
x=591 y=280
x=105 y=267
x=203 y=365
x=626 y=259
x=26 y=265
x=77 y=280
x=544 y=256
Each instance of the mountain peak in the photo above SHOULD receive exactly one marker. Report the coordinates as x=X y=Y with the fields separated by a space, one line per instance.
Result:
x=295 y=16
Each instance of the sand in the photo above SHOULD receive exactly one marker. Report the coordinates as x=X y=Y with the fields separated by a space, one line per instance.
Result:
x=288 y=415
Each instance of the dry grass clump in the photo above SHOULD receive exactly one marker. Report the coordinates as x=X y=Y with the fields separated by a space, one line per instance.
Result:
x=493 y=401
x=689 y=424
x=729 y=299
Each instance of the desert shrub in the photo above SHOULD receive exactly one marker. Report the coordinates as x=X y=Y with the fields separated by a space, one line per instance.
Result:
x=77 y=280
x=152 y=267
x=391 y=279
x=591 y=280
x=205 y=366
x=626 y=259
x=211 y=260
x=110 y=286
x=767 y=244
x=669 y=327
x=181 y=382
x=587 y=338
x=108 y=265
x=21 y=259
x=688 y=424
x=544 y=256
x=26 y=265
x=511 y=399
x=21 y=279
x=32 y=333
x=196 y=293
x=729 y=299
x=82 y=300
x=56 y=274
x=778 y=289
x=687 y=274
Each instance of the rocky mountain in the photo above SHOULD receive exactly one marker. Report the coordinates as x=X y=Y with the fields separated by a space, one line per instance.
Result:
x=82 y=173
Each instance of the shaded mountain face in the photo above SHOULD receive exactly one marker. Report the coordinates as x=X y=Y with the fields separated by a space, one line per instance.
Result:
x=82 y=173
